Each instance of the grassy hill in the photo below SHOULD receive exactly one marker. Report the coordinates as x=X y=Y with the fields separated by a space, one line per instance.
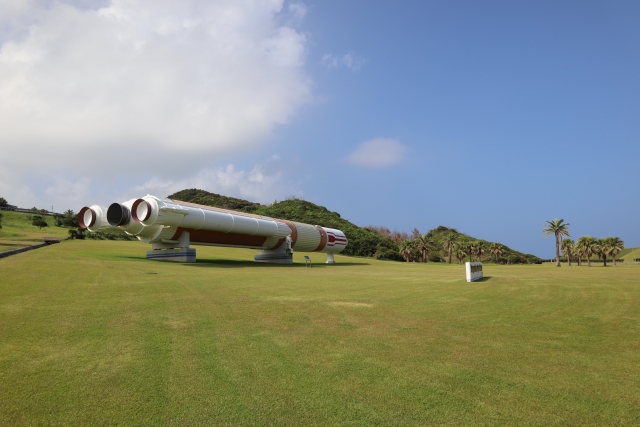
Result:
x=17 y=231
x=629 y=254
x=362 y=242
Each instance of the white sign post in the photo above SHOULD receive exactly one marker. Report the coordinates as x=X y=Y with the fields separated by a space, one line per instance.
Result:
x=474 y=271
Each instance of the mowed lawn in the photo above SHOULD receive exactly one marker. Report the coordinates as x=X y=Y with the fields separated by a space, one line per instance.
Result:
x=91 y=333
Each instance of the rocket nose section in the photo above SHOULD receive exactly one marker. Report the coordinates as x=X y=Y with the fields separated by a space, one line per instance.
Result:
x=118 y=214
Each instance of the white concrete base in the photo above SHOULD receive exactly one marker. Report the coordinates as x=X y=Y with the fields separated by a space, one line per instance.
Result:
x=176 y=255
x=274 y=257
x=281 y=255
x=330 y=259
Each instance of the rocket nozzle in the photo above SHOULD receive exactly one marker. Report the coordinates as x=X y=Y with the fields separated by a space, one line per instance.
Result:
x=86 y=217
x=118 y=214
x=140 y=210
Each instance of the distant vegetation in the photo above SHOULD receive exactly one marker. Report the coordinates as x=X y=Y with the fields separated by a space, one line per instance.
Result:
x=586 y=247
x=202 y=197
x=441 y=244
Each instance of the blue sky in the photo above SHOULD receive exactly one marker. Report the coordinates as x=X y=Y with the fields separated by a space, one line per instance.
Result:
x=490 y=117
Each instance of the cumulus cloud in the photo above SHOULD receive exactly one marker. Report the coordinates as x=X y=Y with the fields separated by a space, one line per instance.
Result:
x=378 y=153
x=264 y=183
x=351 y=60
x=149 y=86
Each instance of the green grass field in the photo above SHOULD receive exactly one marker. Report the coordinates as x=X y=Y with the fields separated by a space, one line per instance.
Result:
x=91 y=333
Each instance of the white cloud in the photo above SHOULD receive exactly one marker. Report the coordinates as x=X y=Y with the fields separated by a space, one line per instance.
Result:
x=264 y=183
x=15 y=191
x=68 y=190
x=378 y=153
x=298 y=11
x=351 y=60
x=147 y=86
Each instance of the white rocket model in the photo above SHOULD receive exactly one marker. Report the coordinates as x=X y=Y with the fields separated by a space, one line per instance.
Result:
x=171 y=226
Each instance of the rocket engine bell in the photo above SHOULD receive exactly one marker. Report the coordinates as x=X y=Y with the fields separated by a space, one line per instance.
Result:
x=171 y=226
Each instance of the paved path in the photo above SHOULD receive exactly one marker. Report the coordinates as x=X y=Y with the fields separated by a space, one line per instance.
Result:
x=25 y=249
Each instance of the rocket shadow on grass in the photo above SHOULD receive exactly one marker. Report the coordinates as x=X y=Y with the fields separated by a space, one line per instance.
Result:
x=235 y=263
x=231 y=263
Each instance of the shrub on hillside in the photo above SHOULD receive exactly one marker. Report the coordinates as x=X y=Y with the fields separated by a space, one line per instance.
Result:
x=106 y=235
x=39 y=222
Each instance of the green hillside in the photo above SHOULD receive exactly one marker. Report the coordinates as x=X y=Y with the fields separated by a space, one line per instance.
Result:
x=629 y=254
x=202 y=197
x=17 y=231
x=362 y=241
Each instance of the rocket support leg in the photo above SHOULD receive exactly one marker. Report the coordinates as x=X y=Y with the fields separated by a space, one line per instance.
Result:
x=282 y=255
x=180 y=252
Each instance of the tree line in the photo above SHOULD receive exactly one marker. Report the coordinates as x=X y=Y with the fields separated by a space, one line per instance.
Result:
x=443 y=244
x=585 y=247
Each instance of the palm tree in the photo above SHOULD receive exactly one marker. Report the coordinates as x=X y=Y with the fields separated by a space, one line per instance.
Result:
x=600 y=249
x=424 y=244
x=470 y=249
x=407 y=249
x=481 y=250
x=567 y=249
x=559 y=228
x=475 y=248
x=449 y=242
x=460 y=253
x=496 y=250
x=587 y=245
x=615 y=246
x=577 y=252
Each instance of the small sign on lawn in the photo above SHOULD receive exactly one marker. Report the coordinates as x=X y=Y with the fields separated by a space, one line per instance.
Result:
x=474 y=271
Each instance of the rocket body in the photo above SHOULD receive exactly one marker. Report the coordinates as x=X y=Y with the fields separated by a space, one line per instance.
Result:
x=162 y=222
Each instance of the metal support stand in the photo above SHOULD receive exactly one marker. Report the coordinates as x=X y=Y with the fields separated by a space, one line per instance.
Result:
x=282 y=255
x=177 y=252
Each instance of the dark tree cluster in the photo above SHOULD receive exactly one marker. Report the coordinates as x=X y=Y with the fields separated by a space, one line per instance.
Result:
x=68 y=219
x=39 y=221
